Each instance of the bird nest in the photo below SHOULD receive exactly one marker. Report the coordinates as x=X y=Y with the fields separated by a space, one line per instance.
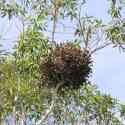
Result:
x=66 y=64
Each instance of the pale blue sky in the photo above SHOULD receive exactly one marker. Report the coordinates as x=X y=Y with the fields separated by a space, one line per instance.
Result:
x=109 y=71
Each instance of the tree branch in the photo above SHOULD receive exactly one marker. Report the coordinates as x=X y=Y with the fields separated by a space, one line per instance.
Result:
x=100 y=47
x=52 y=105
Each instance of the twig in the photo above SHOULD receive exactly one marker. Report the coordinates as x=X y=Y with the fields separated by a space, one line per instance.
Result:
x=80 y=24
x=52 y=105
x=55 y=14
x=100 y=47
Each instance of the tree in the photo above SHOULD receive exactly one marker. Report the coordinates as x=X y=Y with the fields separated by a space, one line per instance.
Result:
x=23 y=95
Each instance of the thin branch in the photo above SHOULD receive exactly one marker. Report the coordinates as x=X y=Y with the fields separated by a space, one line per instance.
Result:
x=52 y=105
x=88 y=34
x=55 y=14
x=100 y=47
x=80 y=24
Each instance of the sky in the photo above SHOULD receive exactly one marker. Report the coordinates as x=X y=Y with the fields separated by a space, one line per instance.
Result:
x=108 y=70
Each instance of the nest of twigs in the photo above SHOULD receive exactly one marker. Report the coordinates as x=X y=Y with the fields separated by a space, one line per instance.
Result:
x=66 y=64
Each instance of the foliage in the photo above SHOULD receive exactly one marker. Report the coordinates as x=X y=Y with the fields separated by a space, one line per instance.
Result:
x=36 y=57
x=84 y=106
x=116 y=28
x=19 y=92
x=31 y=47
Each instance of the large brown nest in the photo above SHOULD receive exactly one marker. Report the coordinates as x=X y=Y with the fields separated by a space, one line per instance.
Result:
x=66 y=64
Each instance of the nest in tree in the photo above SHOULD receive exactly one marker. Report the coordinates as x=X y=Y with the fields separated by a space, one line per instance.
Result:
x=66 y=64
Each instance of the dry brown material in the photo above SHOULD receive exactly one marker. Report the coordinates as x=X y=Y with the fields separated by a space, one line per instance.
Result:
x=67 y=64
